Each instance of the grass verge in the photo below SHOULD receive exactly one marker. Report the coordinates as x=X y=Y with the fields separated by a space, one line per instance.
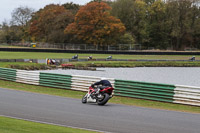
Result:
x=10 y=125
x=137 y=64
x=115 y=99
x=36 y=66
x=22 y=65
x=26 y=66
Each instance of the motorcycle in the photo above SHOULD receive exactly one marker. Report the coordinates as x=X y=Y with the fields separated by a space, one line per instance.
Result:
x=101 y=98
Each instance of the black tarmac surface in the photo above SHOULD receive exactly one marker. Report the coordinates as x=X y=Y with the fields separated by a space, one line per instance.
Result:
x=109 y=118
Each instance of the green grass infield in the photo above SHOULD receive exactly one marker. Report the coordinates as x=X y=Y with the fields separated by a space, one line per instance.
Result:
x=44 y=55
x=11 y=125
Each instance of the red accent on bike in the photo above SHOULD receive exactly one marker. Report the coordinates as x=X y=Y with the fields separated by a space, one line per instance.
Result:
x=108 y=90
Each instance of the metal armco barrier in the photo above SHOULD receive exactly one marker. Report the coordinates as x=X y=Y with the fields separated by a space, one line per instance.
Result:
x=82 y=83
x=151 y=91
x=28 y=77
x=187 y=95
x=55 y=80
x=8 y=74
x=144 y=90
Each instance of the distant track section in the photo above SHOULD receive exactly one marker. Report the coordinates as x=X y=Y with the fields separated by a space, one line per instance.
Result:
x=100 y=52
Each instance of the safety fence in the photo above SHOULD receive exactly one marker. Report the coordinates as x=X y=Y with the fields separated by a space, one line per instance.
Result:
x=150 y=91
x=187 y=95
x=82 y=83
x=126 y=52
x=144 y=90
x=8 y=74
x=27 y=77
x=55 y=80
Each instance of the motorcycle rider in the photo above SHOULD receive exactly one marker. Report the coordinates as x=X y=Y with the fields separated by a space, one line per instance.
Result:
x=103 y=82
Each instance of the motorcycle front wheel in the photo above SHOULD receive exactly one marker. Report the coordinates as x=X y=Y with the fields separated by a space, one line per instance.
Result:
x=84 y=99
x=104 y=100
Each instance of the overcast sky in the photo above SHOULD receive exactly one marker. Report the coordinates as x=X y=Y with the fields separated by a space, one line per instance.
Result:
x=7 y=6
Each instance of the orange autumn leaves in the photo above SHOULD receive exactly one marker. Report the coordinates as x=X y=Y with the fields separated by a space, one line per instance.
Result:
x=93 y=24
x=47 y=22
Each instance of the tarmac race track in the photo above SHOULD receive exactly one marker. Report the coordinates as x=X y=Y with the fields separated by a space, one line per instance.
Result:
x=110 y=118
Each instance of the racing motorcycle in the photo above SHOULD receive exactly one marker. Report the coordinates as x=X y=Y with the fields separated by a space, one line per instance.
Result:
x=101 y=98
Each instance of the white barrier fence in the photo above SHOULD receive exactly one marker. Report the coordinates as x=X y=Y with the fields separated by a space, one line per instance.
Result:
x=82 y=83
x=28 y=77
x=187 y=95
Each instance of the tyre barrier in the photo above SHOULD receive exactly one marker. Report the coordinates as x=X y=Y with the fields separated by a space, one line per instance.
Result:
x=179 y=94
x=103 y=51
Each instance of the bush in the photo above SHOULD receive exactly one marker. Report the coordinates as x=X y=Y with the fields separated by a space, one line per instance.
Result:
x=29 y=66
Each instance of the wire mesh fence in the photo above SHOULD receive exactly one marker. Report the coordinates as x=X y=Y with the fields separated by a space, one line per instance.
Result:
x=67 y=46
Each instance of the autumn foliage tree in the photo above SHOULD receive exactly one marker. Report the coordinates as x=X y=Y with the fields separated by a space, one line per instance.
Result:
x=94 y=25
x=48 y=24
x=72 y=7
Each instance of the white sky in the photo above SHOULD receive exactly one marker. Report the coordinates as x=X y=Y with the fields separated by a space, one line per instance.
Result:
x=7 y=6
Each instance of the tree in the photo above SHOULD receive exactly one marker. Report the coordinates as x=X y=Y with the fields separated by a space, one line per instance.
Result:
x=72 y=7
x=157 y=25
x=196 y=27
x=133 y=15
x=183 y=16
x=94 y=25
x=21 y=15
x=4 y=33
x=193 y=38
x=9 y=34
x=20 y=22
x=127 y=38
x=48 y=24
x=149 y=2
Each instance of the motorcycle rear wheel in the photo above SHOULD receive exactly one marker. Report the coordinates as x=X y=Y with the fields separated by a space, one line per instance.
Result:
x=84 y=99
x=104 y=100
